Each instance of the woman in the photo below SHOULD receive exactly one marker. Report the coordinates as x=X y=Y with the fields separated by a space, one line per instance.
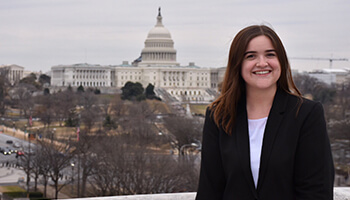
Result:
x=261 y=139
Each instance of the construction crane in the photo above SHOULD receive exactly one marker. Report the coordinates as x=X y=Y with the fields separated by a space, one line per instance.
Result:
x=329 y=59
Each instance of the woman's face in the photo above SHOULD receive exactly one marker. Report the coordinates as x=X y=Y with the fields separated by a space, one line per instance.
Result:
x=260 y=67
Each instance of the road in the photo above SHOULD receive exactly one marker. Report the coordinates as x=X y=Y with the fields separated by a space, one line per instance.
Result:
x=9 y=174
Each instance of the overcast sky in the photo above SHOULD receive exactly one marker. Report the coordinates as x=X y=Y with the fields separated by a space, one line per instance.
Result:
x=39 y=34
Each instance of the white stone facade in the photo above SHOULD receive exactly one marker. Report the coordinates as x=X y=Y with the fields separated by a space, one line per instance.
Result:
x=14 y=73
x=157 y=66
x=86 y=75
x=332 y=76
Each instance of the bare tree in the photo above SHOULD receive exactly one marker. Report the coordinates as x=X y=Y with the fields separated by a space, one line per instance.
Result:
x=22 y=95
x=38 y=161
x=139 y=123
x=118 y=111
x=105 y=105
x=58 y=158
x=319 y=90
x=46 y=111
x=86 y=160
x=133 y=169
x=34 y=163
x=27 y=163
x=339 y=130
x=343 y=102
x=189 y=168
x=183 y=131
x=64 y=103
x=90 y=113
x=4 y=88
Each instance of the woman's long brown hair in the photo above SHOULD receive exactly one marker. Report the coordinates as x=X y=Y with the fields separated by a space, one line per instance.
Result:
x=233 y=86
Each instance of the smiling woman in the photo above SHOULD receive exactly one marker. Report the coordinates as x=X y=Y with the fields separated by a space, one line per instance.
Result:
x=261 y=139
x=260 y=68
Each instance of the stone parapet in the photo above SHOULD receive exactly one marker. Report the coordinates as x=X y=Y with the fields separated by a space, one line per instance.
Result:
x=340 y=193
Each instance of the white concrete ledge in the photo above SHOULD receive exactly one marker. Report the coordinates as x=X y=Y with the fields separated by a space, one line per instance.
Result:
x=167 y=196
x=340 y=193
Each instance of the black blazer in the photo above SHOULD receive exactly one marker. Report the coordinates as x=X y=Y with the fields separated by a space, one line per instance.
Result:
x=296 y=160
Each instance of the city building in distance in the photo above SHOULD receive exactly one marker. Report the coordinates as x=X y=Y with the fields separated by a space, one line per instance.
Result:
x=156 y=65
x=14 y=73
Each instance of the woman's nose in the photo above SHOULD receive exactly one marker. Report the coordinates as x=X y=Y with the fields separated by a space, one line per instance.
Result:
x=261 y=62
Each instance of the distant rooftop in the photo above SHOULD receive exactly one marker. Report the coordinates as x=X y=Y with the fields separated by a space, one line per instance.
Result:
x=332 y=71
x=82 y=65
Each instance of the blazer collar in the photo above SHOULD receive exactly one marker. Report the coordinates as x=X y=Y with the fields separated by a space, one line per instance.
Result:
x=271 y=130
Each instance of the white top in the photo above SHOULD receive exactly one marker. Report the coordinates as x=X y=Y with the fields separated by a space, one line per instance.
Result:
x=256 y=135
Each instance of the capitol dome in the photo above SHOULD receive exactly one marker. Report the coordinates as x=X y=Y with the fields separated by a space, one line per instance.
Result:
x=159 y=47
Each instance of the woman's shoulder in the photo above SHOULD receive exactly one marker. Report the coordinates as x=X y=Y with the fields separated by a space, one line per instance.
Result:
x=209 y=110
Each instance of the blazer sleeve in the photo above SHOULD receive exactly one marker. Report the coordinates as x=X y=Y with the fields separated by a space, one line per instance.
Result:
x=314 y=169
x=212 y=180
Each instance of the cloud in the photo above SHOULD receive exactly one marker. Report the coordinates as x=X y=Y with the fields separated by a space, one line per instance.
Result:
x=38 y=34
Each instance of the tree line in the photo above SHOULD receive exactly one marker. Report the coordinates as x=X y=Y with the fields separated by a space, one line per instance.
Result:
x=123 y=147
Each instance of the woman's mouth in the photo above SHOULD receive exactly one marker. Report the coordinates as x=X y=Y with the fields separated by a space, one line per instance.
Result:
x=262 y=72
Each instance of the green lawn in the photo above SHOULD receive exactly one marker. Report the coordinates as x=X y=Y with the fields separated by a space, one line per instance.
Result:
x=198 y=108
x=11 y=189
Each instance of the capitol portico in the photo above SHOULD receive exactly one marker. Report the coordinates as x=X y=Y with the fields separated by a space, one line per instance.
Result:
x=156 y=65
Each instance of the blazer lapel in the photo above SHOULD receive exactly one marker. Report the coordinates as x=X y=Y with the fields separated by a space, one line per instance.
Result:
x=242 y=136
x=271 y=130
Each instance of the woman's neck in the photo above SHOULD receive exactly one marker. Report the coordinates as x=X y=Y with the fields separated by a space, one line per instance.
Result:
x=259 y=102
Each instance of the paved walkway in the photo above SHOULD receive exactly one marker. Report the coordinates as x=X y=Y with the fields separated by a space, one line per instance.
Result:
x=11 y=175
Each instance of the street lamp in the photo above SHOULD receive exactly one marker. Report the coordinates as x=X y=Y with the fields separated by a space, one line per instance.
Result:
x=72 y=187
x=186 y=146
x=52 y=134
x=25 y=131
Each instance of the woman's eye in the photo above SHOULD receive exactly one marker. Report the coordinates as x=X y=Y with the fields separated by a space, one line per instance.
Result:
x=271 y=55
x=249 y=56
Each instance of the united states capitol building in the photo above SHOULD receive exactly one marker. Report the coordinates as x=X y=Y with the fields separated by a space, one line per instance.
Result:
x=157 y=65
